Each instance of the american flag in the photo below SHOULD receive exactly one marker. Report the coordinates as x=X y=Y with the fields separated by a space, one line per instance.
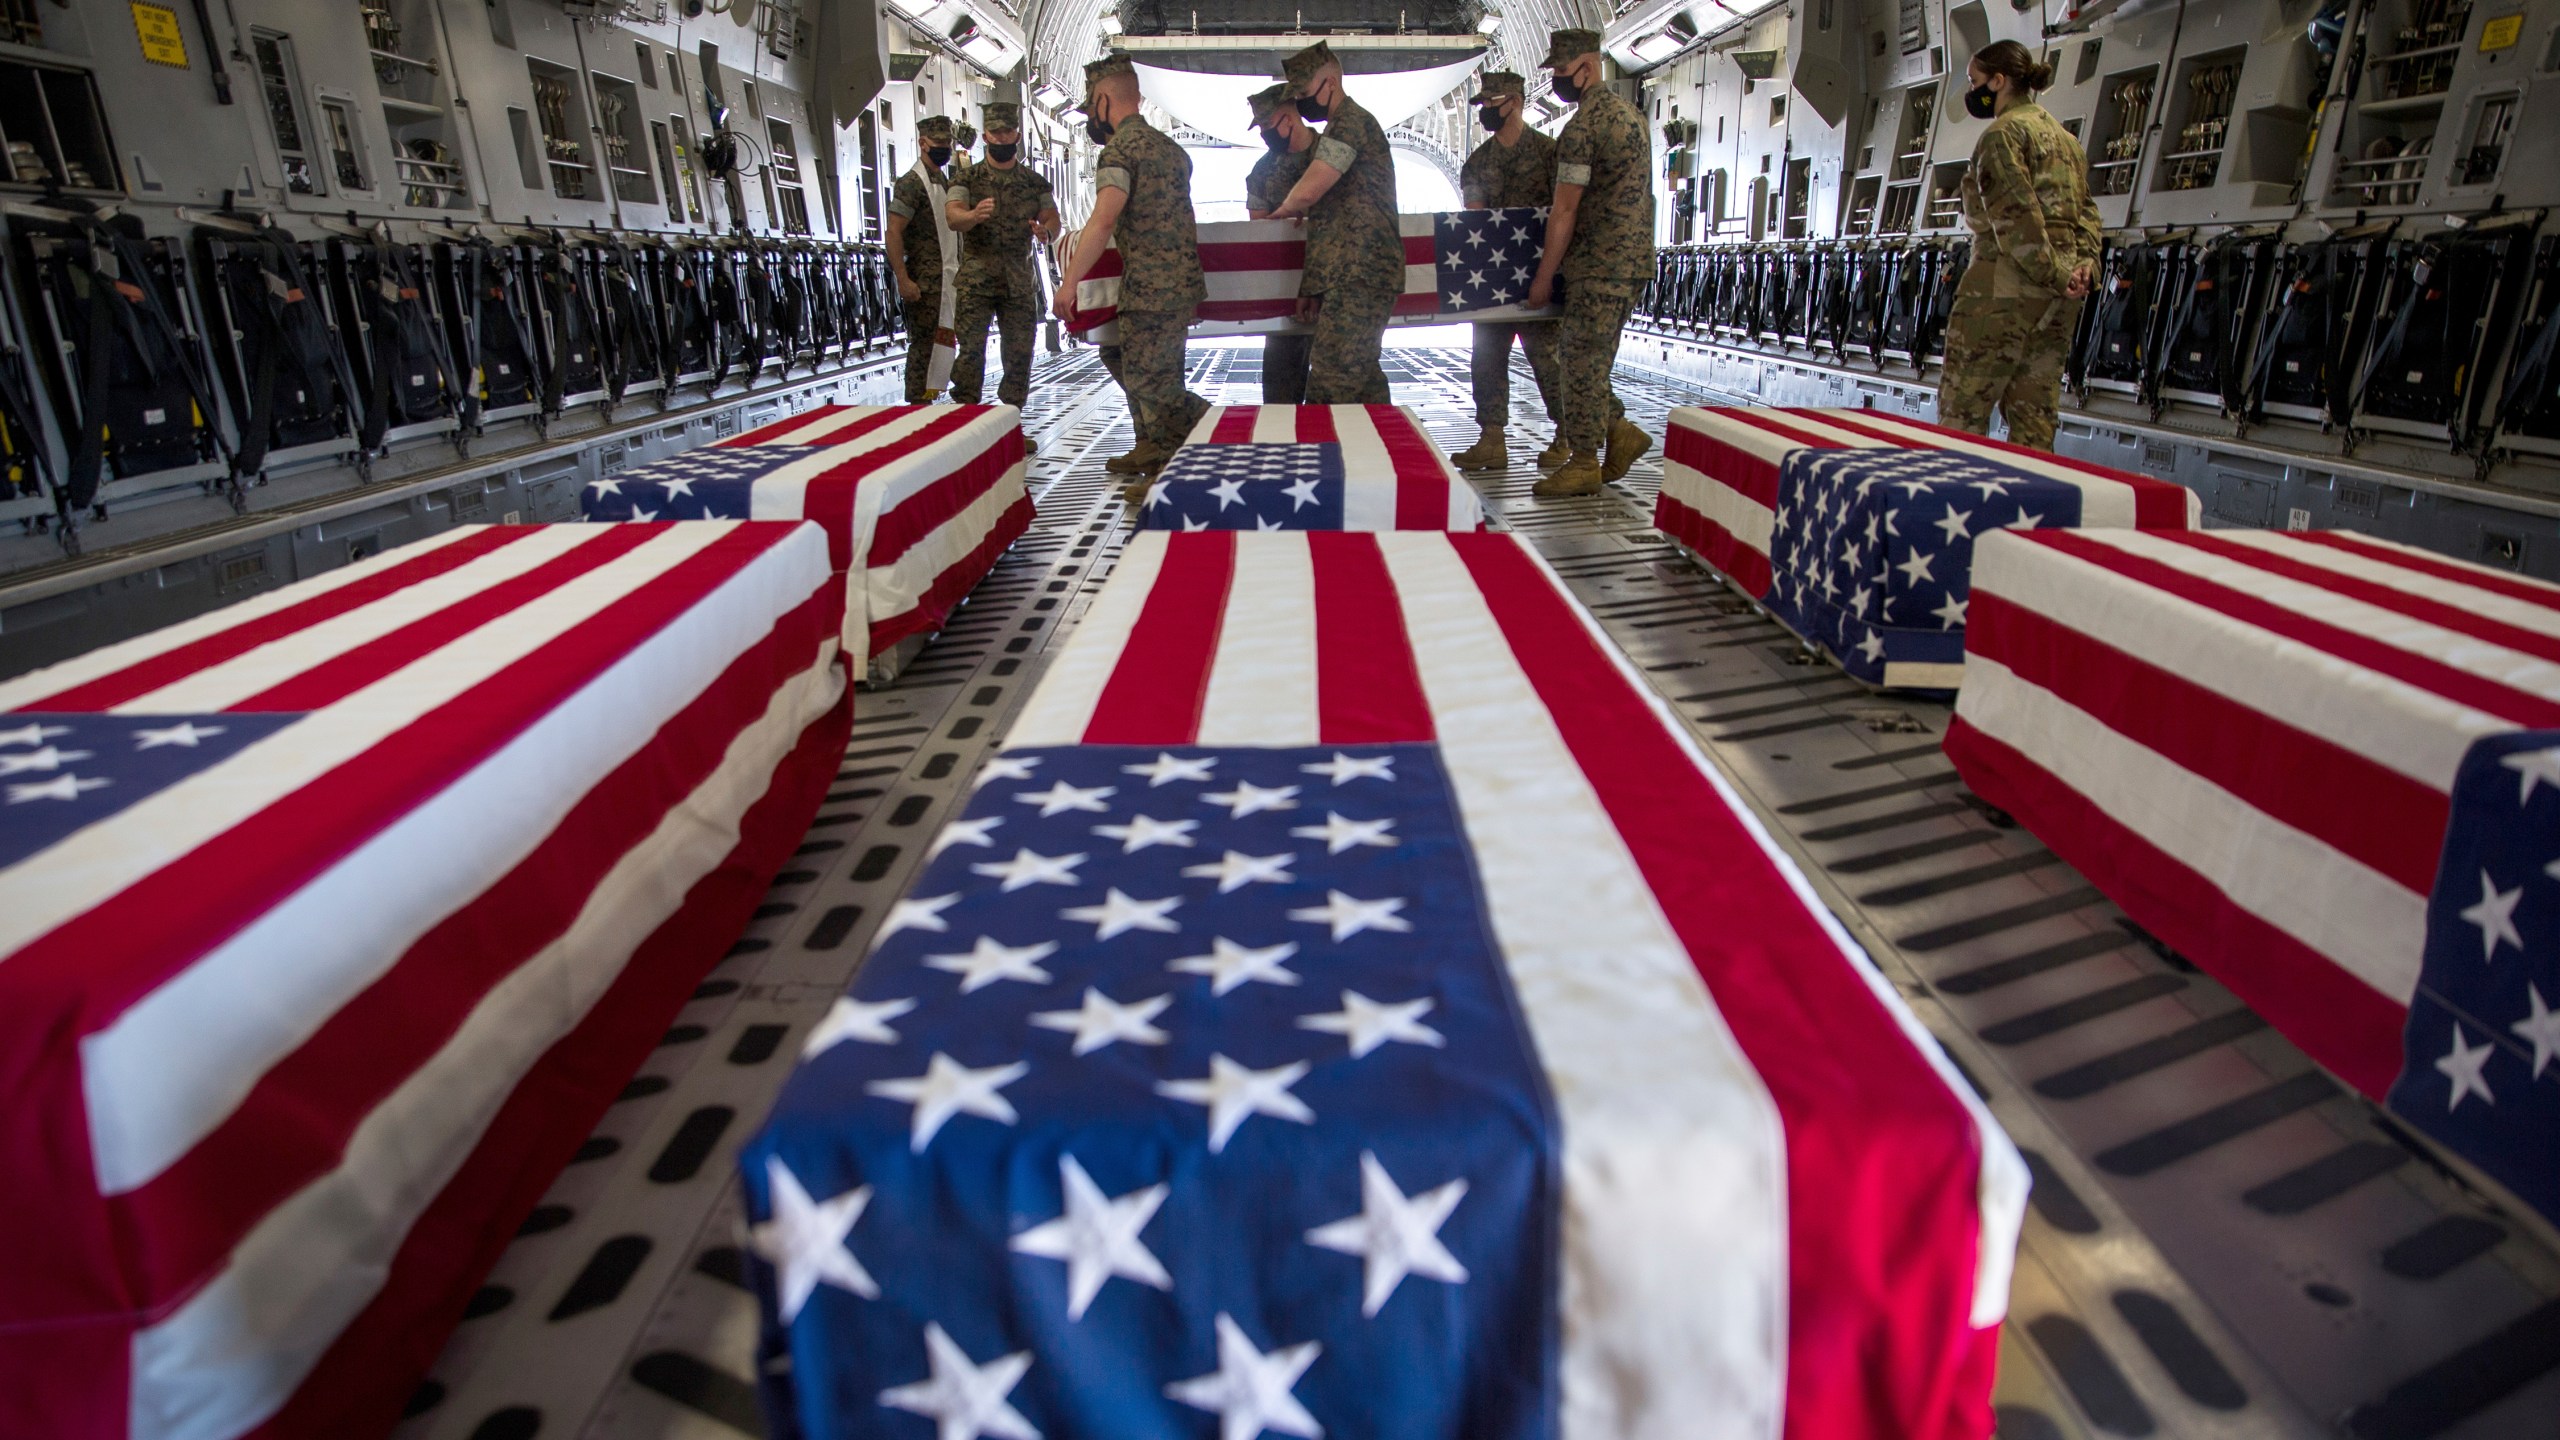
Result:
x=1873 y=553
x=1474 y=264
x=331 y=921
x=917 y=501
x=1722 y=483
x=1310 y=467
x=1350 y=1006
x=2250 y=740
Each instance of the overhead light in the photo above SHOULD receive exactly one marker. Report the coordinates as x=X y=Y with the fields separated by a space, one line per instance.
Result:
x=963 y=28
x=1488 y=24
x=988 y=51
x=1658 y=47
x=1110 y=24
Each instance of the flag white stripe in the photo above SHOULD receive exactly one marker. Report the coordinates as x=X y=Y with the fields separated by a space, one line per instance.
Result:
x=252 y=672
x=2513 y=668
x=2369 y=924
x=179 y=1060
x=2379 y=569
x=238 y=1348
x=1672 y=1328
x=2404 y=727
x=2103 y=502
x=1747 y=520
x=783 y=494
x=1262 y=682
x=124 y=654
x=886 y=592
x=1368 y=502
x=95 y=863
x=1764 y=444
x=1276 y=425
x=1061 y=706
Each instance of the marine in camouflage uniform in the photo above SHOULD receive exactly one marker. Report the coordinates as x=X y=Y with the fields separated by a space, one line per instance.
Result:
x=998 y=207
x=912 y=205
x=1160 y=281
x=1284 y=357
x=2026 y=196
x=1604 y=204
x=1515 y=166
x=1355 y=250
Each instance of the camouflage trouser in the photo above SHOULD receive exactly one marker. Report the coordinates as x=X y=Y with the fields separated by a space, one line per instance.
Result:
x=1594 y=315
x=1151 y=360
x=2007 y=353
x=1342 y=360
x=1493 y=370
x=1284 y=369
x=923 y=318
x=1017 y=320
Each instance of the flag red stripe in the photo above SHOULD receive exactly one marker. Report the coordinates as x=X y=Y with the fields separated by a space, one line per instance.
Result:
x=1155 y=693
x=2462 y=686
x=352 y=669
x=125 y=948
x=1748 y=568
x=2417 y=607
x=2341 y=1022
x=829 y=498
x=953 y=584
x=293 y=1125
x=170 y=666
x=1368 y=689
x=2157 y=504
x=1418 y=302
x=1316 y=426
x=2511 y=586
x=378 y=1360
x=2348 y=801
x=938 y=504
x=1226 y=257
x=1730 y=465
x=1883 y=1163
x=843 y=435
x=767 y=434
x=1422 y=487
x=1235 y=426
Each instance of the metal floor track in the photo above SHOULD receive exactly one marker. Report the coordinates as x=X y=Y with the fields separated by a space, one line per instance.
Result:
x=2223 y=1243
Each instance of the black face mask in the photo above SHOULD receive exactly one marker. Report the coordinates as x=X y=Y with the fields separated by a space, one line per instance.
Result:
x=1002 y=154
x=1566 y=90
x=1981 y=102
x=1489 y=117
x=1309 y=108
x=1274 y=140
x=940 y=155
x=1098 y=132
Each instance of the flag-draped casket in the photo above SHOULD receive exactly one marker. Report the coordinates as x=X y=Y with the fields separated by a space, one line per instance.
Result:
x=330 y=923
x=1858 y=528
x=2321 y=767
x=1458 y=264
x=1351 y=1004
x=1310 y=467
x=917 y=501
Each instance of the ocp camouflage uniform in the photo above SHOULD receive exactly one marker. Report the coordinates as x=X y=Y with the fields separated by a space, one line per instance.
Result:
x=996 y=279
x=2026 y=196
x=919 y=203
x=1501 y=177
x=1355 y=249
x=1160 y=282
x=1604 y=149
x=1284 y=357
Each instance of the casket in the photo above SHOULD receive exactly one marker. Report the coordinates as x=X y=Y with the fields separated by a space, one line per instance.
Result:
x=1351 y=1003
x=917 y=501
x=1310 y=467
x=331 y=922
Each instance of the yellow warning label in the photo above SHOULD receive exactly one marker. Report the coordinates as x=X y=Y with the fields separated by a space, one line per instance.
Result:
x=2501 y=32
x=162 y=44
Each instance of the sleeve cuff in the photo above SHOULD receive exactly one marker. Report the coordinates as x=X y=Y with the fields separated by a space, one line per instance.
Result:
x=901 y=209
x=1111 y=177
x=1573 y=175
x=957 y=194
x=1336 y=153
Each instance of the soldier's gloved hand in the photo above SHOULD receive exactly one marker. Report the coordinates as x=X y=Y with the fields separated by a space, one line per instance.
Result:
x=1307 y=305
x=909 y=291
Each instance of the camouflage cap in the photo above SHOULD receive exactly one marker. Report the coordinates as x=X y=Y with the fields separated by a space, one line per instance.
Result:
x=1267 y=102
x=1300 y=69
x=935 y=128
x=1500 y=85
x=1566 y=46
x=964 y=135
x=1001 y=115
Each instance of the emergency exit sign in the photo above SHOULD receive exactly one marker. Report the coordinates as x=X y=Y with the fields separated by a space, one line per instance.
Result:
x=157 y=27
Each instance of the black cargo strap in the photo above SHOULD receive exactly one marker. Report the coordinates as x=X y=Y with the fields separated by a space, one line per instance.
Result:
x=632 y=318
x=18 y=414
x=726 y=314
x=2421 y=270
x=282 y=284
x=395 y=302
x=112 y=254
x=2299 y=289
x=2532 y=373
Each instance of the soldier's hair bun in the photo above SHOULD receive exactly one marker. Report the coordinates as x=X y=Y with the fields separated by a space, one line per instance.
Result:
x=2008 y=57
